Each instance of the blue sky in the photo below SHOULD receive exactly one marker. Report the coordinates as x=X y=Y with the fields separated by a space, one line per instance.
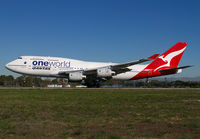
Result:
x=99 y=30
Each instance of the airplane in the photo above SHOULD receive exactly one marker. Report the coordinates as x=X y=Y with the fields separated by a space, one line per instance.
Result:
x=92 y=74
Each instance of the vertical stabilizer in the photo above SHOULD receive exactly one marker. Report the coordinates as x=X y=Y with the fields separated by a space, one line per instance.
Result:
x=170 y=59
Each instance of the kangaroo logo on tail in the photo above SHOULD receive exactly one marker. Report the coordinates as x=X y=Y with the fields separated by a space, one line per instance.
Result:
x=169 y=57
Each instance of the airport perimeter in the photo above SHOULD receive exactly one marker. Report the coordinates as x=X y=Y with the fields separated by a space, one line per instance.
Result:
x=99 y=113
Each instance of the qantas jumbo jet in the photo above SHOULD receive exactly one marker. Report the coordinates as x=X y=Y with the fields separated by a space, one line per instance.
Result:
x=92 y=73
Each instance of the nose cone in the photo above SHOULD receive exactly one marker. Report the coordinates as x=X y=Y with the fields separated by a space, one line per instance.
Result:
x=16 y=66
x=7 y=66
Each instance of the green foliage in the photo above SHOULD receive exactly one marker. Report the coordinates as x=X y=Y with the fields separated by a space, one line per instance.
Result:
x=31 y=81
x=6 y=80
x=155 y=84
x=26 y=81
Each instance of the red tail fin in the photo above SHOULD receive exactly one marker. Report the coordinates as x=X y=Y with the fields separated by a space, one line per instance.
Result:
x=170 y=59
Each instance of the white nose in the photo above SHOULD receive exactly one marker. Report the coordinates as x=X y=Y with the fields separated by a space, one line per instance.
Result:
x=7 y=66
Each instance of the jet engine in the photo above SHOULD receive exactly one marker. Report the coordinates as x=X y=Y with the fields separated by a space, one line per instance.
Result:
x=76 y=76
x=105 y=72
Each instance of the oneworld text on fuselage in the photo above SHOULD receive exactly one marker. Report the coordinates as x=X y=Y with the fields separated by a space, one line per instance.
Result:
x=64 y=64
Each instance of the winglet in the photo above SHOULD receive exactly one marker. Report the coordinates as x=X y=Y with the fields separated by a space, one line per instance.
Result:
x=153 y=57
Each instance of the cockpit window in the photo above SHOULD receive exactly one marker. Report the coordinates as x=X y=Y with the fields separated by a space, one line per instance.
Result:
x=20 y=57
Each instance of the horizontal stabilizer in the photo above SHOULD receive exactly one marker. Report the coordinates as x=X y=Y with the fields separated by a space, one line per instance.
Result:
x=175 y=69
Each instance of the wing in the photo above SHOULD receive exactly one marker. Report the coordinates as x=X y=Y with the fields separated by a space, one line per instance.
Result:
x=117 y=68
x=120 y=68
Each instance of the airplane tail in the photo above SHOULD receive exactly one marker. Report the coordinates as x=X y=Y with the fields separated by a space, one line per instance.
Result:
x=169 y=59
x=165 y=64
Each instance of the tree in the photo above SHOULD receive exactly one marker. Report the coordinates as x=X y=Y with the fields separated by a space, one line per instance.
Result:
x=20 y=81
x=54 y=81
x=29 y=81
x=46 y=82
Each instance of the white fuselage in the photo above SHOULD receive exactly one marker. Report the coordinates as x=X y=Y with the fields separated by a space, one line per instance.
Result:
x=52 y=66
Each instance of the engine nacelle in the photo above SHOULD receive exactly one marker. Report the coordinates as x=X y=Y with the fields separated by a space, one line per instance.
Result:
x=76 y=76
x=105 y=72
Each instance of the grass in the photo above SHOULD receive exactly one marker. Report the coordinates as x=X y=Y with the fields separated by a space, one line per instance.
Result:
x=99 y=114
